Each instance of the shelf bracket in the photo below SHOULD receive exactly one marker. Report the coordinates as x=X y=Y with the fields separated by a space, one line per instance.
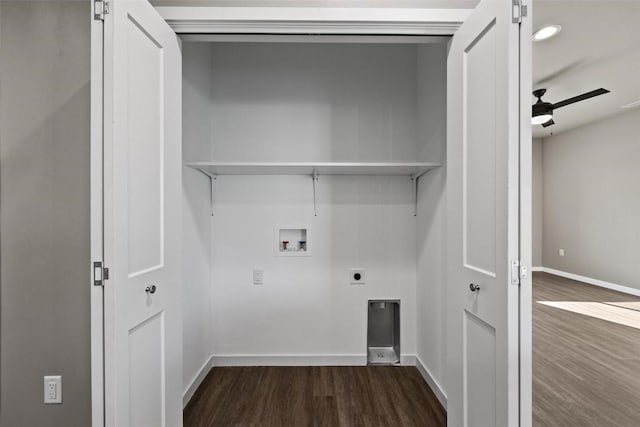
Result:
x=414 y=192
x=414 y=184
x=314 y=177
x=212 y=188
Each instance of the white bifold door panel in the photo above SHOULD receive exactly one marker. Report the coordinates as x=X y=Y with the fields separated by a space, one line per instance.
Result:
x=482 y=204
x=142 y=190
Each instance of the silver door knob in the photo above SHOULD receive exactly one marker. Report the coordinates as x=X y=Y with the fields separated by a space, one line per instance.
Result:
x=150 y=289
x=474 y=287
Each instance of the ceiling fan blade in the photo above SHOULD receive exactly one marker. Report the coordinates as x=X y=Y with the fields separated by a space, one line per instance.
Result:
x=579 y=98
x=549 y=123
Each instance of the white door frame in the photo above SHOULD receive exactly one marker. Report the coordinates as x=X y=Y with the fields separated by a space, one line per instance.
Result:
x=526 y=238
x=96 y=221
x=302 y=20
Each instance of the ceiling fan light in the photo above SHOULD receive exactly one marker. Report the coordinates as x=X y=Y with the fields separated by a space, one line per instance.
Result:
x=541 y=111
x=546 y=32
x=543 y=118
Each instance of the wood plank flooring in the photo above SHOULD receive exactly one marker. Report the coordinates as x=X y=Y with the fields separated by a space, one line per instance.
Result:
x=586 y=355
x=586 y=372
x=314 y=396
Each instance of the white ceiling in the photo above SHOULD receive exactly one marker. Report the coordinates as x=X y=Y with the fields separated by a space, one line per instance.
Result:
x=599 y=46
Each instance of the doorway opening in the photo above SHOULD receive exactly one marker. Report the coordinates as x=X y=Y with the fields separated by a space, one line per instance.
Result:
x=586 y=289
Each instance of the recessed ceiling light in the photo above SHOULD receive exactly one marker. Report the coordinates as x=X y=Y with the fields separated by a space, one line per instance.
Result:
x=546 y=32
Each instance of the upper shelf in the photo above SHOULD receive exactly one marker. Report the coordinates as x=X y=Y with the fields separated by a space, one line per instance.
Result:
x=303 y=168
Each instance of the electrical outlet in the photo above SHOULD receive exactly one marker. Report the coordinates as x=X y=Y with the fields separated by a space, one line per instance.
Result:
x=561 y=252
x=257 y=277
x=356 y=276
x=52 y=389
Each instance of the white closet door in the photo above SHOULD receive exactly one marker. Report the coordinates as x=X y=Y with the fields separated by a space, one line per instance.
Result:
x=482 y=203
x=142 y=179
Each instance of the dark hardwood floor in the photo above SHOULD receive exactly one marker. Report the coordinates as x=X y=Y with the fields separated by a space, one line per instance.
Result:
x=586 y=355
x=586 y=372
x=314 y=396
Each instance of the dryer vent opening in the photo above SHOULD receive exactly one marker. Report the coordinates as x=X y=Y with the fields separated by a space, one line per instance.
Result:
x=383 y=332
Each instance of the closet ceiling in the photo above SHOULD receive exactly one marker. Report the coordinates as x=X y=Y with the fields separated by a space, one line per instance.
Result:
x=599 y=46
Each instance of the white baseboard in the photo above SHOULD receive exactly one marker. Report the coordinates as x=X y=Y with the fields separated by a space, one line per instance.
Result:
x=196 y=381
x=299 y=360
x=408 y=360
x=596 y=282
x=433 y=384
x=537 y=268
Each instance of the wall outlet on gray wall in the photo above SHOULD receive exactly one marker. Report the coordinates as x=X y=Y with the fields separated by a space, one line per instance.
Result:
x=53 y=389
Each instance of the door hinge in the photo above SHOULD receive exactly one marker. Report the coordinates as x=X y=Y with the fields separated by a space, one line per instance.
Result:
x=100 y=274
x=100 y=9
x=518 y=11
x=515 y=272
x=518 y=272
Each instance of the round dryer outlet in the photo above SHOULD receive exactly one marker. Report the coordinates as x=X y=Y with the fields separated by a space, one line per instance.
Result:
x=356 y=276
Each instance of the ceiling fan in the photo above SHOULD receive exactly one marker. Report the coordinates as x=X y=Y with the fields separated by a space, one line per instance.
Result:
x=542 y=112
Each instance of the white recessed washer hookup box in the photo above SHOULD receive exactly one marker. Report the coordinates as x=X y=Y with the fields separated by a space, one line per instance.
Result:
x=292 y=240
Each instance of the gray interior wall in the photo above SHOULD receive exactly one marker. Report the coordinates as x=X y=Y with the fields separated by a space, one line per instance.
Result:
x=44 y=213
x=537 y=202
x=592 y=200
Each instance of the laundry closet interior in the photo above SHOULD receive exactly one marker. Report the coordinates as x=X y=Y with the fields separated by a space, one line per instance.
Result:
x=314 y=200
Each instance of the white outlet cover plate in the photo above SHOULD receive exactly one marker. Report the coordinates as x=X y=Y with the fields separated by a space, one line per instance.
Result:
x=353 y=280
x=258 y=277
x=53 y=389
